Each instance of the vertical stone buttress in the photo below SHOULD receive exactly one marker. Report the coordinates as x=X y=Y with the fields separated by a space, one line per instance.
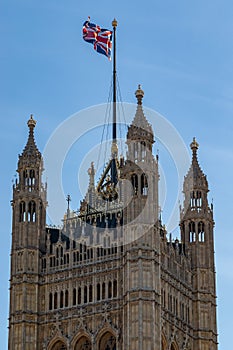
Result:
x=28 y=240
x=197 y=226
x=141 y=268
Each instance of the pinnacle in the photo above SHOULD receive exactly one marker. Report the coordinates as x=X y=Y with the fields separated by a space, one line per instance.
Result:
x=31 y=150
x=140 y=120
x=195 y=176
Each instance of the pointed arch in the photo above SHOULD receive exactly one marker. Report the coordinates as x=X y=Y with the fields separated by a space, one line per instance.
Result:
x=58 y=344
x=143 y=149
x=107 y=341
x=31 y=179
x=201 y=231
x=192 y=232
x=144 y=184
x=32 y=211
x=22 y=211
x=83 y=343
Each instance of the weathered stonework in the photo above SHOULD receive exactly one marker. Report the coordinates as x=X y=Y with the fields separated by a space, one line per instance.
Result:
x=110 y=279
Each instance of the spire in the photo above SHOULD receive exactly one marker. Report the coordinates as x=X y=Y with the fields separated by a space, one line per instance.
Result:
x=91 y=173
x=195 y=178
x=30 y=151
x=140 y=129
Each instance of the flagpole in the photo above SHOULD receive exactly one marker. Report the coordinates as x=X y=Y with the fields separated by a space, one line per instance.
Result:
x=114 y=132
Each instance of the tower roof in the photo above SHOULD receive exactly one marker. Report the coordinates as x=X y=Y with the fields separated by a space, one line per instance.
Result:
x=195 y=178
x=140 y=129
x=30 y=151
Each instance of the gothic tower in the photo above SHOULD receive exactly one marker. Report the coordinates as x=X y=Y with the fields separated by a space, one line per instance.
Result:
x=109 y=278
x=28 y=241
x=197 y=233
x=141 y=287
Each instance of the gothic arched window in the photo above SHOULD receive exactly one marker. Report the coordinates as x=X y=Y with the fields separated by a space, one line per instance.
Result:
x=66 y=298
x=61 y=299
x=90 y=293
x=55 y=301
x=50 y=301
x=201 y=231
x=25 y=177
x=98 y=291
x=199 y=199
x=107 y=342
x=79 y=296
x=143 y=149
x=31 y=180
x=103 y=291
x=74 y=296
x=85 y=294
x=192 y=232
x=83 y=344
x=114 y=289
x=32 y=211
x=134 y=181
x=192 y=199
x=59 y=346
x=144 y=185
x=22 y=212
x=110 y=289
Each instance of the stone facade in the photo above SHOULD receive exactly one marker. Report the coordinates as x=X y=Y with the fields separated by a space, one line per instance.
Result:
x=110 y=279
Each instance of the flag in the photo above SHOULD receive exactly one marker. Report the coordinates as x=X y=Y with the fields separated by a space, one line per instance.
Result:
x=101 y=38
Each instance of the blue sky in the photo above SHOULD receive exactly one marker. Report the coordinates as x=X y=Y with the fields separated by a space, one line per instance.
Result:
x=180 y=51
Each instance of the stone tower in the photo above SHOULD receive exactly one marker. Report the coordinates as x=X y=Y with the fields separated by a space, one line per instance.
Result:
x=110 y=278
x=141 y=283
x=197 y=226
x=28 y=241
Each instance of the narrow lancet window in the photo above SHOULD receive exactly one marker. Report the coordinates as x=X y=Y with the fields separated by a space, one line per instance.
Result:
x=32 y=211
x=74 y=296
x=22 y=212
x=192 y=232
x=66 y=298
x=134 y=181
x=144 y=185
x=201 y=231
x=61 y=299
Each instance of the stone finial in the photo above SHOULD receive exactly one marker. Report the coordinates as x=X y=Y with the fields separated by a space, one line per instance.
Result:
x=31 y=122
x=194 y=145
x=139 y=93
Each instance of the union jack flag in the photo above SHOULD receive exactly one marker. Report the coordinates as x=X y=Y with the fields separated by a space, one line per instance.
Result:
x=101 y=38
